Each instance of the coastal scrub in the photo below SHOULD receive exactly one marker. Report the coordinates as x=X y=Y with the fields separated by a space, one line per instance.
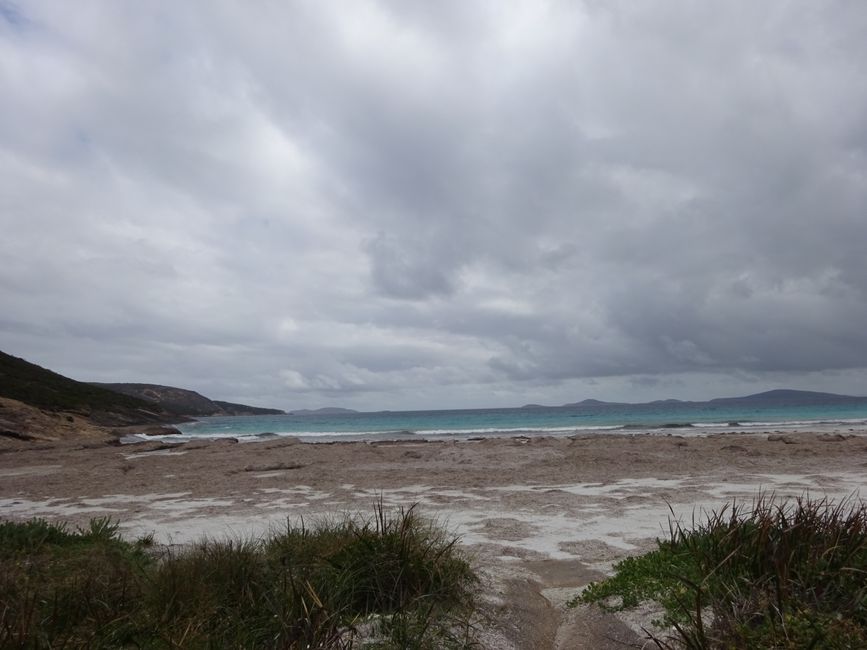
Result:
x=790 y=574
x=393 y=580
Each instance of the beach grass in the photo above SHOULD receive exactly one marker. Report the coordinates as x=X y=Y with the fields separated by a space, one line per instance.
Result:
x=391 y=580
x=771 y=574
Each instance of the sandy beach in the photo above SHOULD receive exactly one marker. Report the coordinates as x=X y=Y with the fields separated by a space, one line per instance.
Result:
x=540 y=517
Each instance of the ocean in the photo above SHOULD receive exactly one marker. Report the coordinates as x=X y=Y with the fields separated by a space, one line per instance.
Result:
x=668 y=417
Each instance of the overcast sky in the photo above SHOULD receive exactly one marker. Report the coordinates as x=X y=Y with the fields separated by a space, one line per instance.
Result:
x=413 y=204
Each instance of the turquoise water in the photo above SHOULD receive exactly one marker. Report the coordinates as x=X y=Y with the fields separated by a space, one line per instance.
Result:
x=683 y=417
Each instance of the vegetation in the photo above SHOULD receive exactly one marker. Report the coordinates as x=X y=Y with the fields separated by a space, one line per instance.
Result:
x=184 y=402
x=390 y=581
x=780 y=575
x=109 y=404
x=36 y=386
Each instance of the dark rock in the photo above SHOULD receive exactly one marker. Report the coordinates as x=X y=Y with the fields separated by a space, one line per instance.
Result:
x=273 y=468
x=16 y=435
x=160 y=431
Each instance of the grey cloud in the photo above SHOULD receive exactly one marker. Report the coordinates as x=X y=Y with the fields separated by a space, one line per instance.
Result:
x=385 y=203
x=406 y=269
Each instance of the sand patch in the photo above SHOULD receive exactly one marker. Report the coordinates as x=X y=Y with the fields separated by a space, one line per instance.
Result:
x=30 y=470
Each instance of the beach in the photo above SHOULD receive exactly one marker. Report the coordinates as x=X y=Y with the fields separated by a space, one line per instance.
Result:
x=541 y=517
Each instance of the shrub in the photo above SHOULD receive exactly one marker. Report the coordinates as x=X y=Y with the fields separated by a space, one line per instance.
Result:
x=790 y=574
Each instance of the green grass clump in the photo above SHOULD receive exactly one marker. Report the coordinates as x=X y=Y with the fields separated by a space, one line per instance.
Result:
x=781 y=575
x=62 y=588
x=391 y=581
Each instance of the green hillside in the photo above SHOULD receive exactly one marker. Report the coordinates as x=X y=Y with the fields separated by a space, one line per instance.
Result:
x=36 y=386
x=184 y=401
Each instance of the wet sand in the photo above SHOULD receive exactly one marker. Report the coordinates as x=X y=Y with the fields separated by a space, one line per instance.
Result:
x=541 y=517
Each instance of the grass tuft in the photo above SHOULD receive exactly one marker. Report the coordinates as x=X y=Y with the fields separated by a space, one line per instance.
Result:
x=777 y=574
x=393 y=580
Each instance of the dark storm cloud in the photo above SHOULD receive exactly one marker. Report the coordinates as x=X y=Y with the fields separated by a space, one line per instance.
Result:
x=397 y=204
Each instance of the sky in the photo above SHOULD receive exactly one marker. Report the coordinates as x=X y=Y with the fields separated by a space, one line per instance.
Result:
x=403 y=204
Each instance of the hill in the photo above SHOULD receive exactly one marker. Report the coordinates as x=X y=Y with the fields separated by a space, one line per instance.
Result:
x=328 y=410
x=785 y=396
x=230 y=408
x=183 y=401
x=591 y=402
x=43 y=389
x=22 y=423
x=780 y=396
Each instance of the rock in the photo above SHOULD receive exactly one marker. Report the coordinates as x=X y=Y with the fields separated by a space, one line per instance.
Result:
x=155 y=445
x=205 y=443
x=159 y=431
x=272 y=468
x=16 y=435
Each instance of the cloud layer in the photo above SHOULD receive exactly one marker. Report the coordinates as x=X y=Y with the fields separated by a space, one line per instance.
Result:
x=407 y=204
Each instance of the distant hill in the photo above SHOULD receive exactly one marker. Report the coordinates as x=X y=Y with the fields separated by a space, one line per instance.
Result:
x=785 y=396
x=33 y=385
x=779 y=396
x=328 y=410
x=230 y=408
x=183 y=401
x=591 y=402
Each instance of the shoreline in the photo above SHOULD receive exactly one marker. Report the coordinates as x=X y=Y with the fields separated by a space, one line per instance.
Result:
x=132 y=435
x=541 y=516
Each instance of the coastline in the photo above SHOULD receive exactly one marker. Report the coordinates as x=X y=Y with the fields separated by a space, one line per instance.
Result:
x=238 y=428
x=541 y=516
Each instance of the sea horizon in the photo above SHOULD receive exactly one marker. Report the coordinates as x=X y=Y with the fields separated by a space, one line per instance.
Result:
x=589 y=417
